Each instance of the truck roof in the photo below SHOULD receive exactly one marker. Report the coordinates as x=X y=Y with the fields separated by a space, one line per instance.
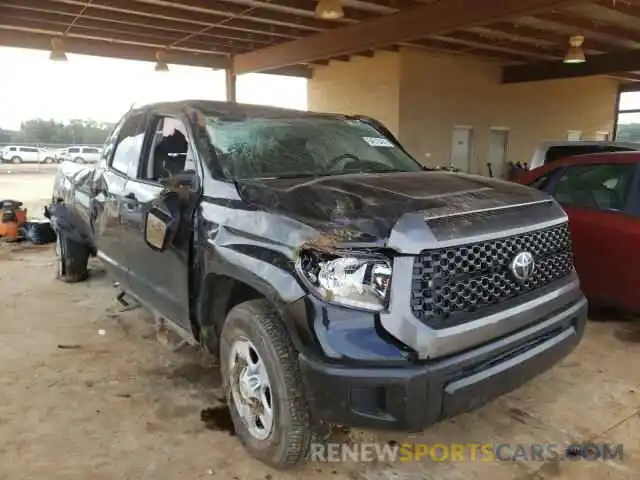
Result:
x=213 y=107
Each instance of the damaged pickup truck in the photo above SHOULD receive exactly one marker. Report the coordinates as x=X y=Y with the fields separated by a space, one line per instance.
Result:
x=336 y=279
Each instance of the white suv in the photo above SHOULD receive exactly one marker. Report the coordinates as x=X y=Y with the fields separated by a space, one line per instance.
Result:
x=17 y=154
x=82 y=154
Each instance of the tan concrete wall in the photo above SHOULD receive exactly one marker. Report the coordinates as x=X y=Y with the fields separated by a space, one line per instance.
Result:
x=366 y=86
x=421 y=96
x=440 y=91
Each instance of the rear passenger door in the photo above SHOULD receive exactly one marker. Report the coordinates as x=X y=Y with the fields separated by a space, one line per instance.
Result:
x=90 y=155
x=122 y=154
x=603 y=228
x=161 y=278
x=29 y=154
x=73 y=154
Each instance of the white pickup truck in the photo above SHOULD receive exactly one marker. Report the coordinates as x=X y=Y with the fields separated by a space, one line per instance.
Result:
x=547 y=152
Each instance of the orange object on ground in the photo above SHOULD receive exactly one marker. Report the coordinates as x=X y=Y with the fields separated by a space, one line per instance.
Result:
x=13 y=216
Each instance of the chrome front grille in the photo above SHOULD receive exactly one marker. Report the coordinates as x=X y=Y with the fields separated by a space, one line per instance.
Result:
x=455 y=284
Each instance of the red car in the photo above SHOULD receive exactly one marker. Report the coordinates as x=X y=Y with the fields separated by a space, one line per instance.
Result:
x=601 y=195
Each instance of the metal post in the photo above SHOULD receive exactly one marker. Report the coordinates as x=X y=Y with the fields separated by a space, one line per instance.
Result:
x=231 y=84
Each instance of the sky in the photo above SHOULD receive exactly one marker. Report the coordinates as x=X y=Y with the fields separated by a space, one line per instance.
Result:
x=103 y=89
x=629 y=101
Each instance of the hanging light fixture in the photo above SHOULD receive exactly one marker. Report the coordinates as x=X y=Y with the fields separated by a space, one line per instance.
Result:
x=329 y=9
x=161 y=61
x=57 y=50
x=575 y=54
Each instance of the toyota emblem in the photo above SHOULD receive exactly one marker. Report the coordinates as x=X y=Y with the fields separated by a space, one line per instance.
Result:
x=522 y=266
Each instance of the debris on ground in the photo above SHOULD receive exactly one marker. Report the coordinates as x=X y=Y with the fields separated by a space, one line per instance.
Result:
x=38 y=232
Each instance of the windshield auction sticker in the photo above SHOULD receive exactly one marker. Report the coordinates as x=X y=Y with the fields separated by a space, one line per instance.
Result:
x=378 y=142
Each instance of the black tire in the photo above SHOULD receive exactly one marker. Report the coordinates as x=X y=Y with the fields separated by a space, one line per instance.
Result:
x=79 y=160
x=289 y=441
x=16 y=160
x=48 y=160
x=72 y=260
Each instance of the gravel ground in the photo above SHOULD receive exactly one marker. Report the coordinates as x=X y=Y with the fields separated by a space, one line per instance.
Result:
x=88 y=391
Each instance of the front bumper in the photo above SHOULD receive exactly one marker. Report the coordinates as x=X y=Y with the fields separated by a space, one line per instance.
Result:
x=414 y=396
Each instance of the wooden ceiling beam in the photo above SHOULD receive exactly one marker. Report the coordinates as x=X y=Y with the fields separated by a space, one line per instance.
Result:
x=96 y=47
x=526 y=34
x=64 y=13
x=404 y=26
x=127 y=8
x=584 y=26
x=634 y=77
x=129 y=51
x=628 y=8
x=476 y=42
x=112 y=36
x=42 y=20
x=630 y=87
x=306 y=8
x=258 y=12
x=605 y=64
x=449 y=48
x=130 y=34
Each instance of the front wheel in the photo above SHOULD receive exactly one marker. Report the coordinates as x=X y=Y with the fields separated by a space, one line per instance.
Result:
x=79 y=160
x=263 y=386
x=72 y=260
x=16 y=160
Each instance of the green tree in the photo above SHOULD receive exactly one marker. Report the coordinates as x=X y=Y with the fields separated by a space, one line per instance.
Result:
x=629 y=132
x=76 y=131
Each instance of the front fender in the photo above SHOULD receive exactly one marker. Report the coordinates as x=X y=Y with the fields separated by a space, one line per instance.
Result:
x=228 y=262
x=267 y=271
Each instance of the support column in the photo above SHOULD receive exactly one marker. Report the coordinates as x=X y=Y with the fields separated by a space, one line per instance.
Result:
x=231 y=84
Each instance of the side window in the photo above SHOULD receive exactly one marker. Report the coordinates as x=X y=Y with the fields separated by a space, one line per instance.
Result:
x=600 y=187
x=110 y=141
x=541 y=182
x=170 y=153
x=74 y=150
x=129 y=145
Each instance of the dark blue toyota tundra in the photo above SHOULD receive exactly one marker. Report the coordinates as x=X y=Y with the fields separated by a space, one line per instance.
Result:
x=337 y=280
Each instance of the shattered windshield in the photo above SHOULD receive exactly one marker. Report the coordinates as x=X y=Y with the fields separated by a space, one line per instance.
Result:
x=260 y=148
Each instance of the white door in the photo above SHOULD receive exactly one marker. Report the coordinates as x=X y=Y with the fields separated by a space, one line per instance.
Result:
x=461 y=148
x=498 y=140
x=30 y=154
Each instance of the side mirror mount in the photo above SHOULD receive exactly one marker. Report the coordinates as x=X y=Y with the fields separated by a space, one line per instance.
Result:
x=158 y=227
x=183 y=179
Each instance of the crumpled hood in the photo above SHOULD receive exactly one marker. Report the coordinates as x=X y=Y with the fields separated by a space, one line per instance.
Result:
x=367 y=206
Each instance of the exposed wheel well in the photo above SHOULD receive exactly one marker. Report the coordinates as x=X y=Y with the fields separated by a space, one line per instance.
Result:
x=241 y=292
x=218 y=296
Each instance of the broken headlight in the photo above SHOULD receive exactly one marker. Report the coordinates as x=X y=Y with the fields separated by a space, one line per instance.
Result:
x=349 y=280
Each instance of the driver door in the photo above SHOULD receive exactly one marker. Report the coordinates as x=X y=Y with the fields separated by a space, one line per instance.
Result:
x=161 y=278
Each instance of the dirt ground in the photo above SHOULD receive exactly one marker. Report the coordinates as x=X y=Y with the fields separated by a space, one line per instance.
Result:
x=87 y=391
